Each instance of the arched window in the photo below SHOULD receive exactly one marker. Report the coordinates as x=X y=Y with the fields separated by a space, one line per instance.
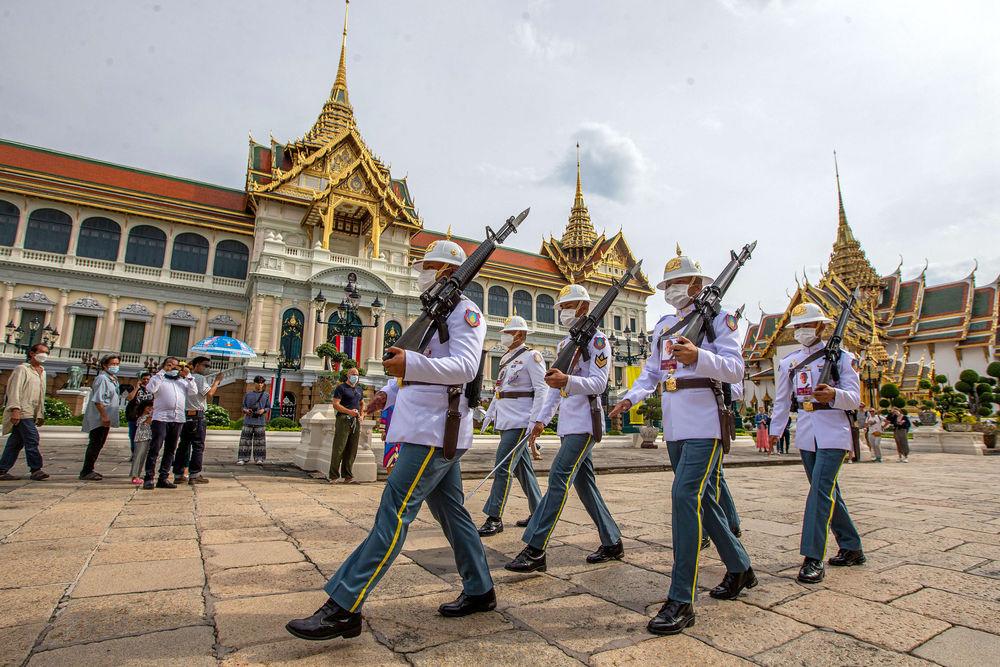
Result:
x=99 y=239
x=9 y=215
x=291 y=335
x=522 y=304
x=545 y=309
x=48 y=230
x=146 y=246
x=498 y=301
x=231 y=259
x=190 y=253
x=475 y=292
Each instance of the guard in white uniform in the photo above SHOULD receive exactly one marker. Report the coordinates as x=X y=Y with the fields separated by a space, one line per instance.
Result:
x=517 y=403
x=571 y=396
x=823 y=437
x=421 y=472
x=692 y=377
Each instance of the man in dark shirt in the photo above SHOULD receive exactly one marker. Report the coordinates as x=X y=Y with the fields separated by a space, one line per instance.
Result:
x=349 y=404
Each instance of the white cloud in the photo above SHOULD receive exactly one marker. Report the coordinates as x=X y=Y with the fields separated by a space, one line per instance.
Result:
x=538 y=44
x=612 y=164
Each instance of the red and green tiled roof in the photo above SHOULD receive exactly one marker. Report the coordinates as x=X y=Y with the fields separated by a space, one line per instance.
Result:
x=982 y=318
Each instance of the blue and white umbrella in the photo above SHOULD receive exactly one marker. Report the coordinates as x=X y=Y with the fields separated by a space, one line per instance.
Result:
x=224 y=346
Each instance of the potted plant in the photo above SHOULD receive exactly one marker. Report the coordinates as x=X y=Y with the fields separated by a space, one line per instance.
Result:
x=651 y=410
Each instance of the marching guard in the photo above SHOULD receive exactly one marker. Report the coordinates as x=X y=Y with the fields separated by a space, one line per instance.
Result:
x=822 y=436
x=426 y=407
x=517 y=403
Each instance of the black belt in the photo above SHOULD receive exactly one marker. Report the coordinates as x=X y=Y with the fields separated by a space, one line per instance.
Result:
x=727 y=424
x=816 y=406
x=410 y=383
x=516 y=394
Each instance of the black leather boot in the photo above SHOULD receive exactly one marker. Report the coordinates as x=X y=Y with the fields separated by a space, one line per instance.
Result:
x=733 y=583
x=492 y=526
x=673 y=617
x=604 y=554
x=812 y=571
x=847 y=558
x=738 y=533
x=164 y=483
x=329 y=622
x=529 y=560
x=470 y=604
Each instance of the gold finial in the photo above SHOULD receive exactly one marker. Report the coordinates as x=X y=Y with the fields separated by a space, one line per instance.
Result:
x=579 y=235
x=340 y=84
x=448 y=234
x=579 y=182
x=678 y=249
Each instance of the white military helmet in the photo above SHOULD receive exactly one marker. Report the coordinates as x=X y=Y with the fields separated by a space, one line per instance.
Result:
x=515 y=323
x=807 y=313
x=445 y=251
x=572 y=293
x=682 y=266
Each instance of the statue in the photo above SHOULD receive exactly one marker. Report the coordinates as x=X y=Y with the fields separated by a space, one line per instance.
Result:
x=75 y=378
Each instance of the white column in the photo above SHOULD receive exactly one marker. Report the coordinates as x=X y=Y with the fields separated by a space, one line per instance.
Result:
x=275 y=326
x=59 y=321
x=122 y=241
x=22 y=226
x=109 y=325
x=202 y=331
x=309 y=327
x=376 y=351
x=156 y=343
x=8 y=298
x=168 y=253
x=74 y=235
x=258 y=316
x=210 y=267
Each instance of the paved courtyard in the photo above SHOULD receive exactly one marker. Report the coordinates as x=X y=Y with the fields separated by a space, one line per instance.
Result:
x=101 y=574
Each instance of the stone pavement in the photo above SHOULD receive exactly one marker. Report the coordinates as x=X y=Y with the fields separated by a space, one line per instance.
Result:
x=100 y=574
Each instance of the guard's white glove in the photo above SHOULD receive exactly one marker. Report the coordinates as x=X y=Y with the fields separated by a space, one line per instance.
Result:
x=486 y=425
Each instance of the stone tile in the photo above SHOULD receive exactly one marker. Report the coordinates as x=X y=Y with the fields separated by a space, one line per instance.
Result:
x=659 y=559
x=342 y=535
x=678 y=651
x=742 y=629
x=402 y=581
x=37 y=529
x=222 y=556
x=952 y=608
x=128 y=552
x=28 y=606
x=978 y=549
x=329 y=560
x=234 y=535
x=906 y=553
x=865 y=583
x=133 y=577
x=111 y=616
x=987 y=569
x=827 y=649
x=963 y=535
x=938 y=541
x=228 y=522
x=152 y=534
x=583 y=624
x=972 y=585
x=520 y=589
x=258 y=620
x=961 y=647
x=191 y=647
x=770 y=590
x=363 y=650
x=503 y=648
x=626 y=585
x=16 y=642
x=875 y=623
x=154 y=520
x=413 y=624
x=265 y=580
x=752 y=526
x=44 y=562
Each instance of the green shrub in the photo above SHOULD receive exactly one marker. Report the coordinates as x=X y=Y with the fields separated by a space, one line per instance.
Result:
x=940 y=379
x=984 y=411
x=924 y=384
x=236 y=425
x=968 y=376
x=282 y=423
x=899 y=402
x=889 y=391
x=911 y=402
x=57 y=409
x=884 y=403
x=216 y=415
x=993 y=370
x=70 y=421
x=614 y=431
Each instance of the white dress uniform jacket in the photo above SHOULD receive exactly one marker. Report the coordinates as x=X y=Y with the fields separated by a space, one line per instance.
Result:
x=826 y=429
x=419 y=414
x=390 y=389
x=587 y=378
x=524 y=373
x=691 y=413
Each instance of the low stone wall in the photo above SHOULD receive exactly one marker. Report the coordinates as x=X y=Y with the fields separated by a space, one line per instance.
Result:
x=930 y=439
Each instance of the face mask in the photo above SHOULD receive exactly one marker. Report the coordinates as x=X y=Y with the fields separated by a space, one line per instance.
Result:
x=426 y=278
x=113 y=370
x=506 y=339
x=172 y=374
x=352 y=380
x=805 y=337
x=677 y=295
x=41 y=357
x=567 y=317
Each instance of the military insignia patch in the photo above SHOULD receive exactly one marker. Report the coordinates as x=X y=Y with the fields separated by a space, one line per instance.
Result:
x=600 y=342
x=672 y=265
x=601 y=360
x=854 y=364
x=731 y=322
x=799 y=310
x=472 y=318
x=564 y=291
x=537 y=356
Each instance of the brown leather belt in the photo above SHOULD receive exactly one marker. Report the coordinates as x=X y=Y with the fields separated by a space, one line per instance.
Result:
x=516 y=394
x=727 y=426
x=695 y=383
x=410 y=383
x=810 y=406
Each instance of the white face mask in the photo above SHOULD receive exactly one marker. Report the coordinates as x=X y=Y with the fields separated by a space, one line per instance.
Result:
x=567 y=317
x=426 y=278
x=506 y=339
x=41 y=357
x=805 y=336
x=677 y=296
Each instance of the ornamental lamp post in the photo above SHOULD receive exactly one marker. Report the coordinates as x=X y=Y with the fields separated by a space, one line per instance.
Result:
x=871 y=375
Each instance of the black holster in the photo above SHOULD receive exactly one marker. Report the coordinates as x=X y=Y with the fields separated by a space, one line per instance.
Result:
x=596 y=418
x=452 y=421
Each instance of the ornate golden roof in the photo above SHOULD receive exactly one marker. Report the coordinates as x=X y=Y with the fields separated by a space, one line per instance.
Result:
x=579 y=234
x=848 y=260
x=337 y=114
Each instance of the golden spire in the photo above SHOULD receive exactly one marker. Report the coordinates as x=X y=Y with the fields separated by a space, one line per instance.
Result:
x=579 y=236
x=578 y=200
x=876 y=351
x=848 y=260
x=337 y=114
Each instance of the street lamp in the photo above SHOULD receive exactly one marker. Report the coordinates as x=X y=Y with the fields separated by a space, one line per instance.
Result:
x=281 y=363
x=348 y=322
x=50 y=336
x=871 y=375
x=628 y=358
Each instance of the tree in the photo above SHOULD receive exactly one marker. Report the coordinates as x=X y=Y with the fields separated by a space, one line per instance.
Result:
x=889 y=390
x=651 y=409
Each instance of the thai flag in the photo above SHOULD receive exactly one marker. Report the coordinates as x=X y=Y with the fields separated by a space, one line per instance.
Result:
x=349 y=345
x=277 y=389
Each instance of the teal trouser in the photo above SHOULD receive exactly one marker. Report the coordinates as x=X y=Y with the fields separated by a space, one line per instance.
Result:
x=694 y=509
x=725 y=499
x=571 y=466
x=421 y=473
x=518 y=465
x=825 y=508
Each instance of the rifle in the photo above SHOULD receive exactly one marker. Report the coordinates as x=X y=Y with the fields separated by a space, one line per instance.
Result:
x=440 y=299
x=708 y=303
x=832 y=352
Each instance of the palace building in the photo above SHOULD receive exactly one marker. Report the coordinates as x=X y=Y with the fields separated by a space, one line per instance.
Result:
x=903 y=331
x=316 y=247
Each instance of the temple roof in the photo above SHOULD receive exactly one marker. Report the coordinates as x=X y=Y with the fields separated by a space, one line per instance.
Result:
x=848 y=260
x=579 y=232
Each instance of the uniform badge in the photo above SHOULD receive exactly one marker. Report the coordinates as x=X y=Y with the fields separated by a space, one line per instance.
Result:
x=472 y=318
x=600 y=342
x=672 y=265
x=601 y=360
x=537 y=356
x=854 y=364
x=799 y=310
x=731 y=322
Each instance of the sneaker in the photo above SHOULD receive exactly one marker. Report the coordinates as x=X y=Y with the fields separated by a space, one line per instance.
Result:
x=180 y=479
x=39 y=475
x=164 y=483
x=7 y=477
x=92 y=476
x=148 y=485
x=259 y=462
x=241 y=462
x=136 y=481
x=197 y=480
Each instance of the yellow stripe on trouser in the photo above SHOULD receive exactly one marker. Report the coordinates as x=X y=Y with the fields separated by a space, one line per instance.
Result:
x=829 y=519
x=701 y=490
x=569 y=479
x=510 y=473
x=718 y=481
x=399 y=528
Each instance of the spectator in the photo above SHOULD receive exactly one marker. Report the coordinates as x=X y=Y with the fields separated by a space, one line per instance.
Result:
x=252 y=438
x=784 y=442
x=25 y=411
x=900 y=427
x=143 y=434
x=873 y=434
x=763 y=440
x=349 y=403
x=101 y=415
x=170 y=388
x=135 y=396
x=191 y=452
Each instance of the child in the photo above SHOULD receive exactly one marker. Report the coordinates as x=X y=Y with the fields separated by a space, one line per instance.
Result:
x=143 y=436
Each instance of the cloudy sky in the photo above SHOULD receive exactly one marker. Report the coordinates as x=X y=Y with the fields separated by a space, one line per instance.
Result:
x=708 y=122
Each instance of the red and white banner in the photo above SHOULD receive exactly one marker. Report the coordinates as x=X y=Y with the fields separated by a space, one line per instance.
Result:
x=277 y=389
x=349 y=345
